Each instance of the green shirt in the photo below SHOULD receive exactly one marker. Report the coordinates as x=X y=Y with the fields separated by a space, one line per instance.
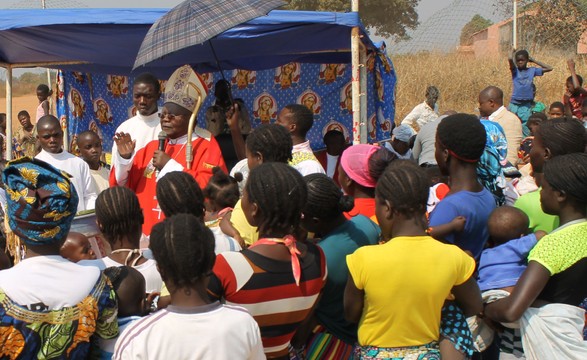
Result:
x=530 y=204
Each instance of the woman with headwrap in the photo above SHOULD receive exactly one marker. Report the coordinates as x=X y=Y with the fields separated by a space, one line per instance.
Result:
x=49 y=307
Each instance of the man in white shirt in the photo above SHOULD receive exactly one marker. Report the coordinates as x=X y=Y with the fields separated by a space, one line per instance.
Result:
x=424 y=112
x=50 y=137
x=298 y=120
x=491 y=108
x=144 y=127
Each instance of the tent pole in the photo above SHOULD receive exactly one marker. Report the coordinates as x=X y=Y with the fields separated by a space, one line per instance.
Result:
x=8 y=138
x=355 y=78
x=363 y=81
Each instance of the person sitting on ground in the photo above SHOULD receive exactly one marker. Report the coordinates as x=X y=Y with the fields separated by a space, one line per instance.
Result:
x=43 y=93
x=44 y=293
x=90 y=148
x=192 y=327
x=556 y=265
x=50 y=136
x=25 y=140
x=221 y=195
x=522 y=100
x=330 y=157
x=556 y=110
x=119 y=218
x=267 y=143
x=298 y=121
x=327 y=334
x=399 y=266
x=77 y=247
x=491 y=108
x=460 y=143
x=277 y=273
x=575 y=93
x=400 y=142
x=360 y=168
x=424 y=112
x=129 y=286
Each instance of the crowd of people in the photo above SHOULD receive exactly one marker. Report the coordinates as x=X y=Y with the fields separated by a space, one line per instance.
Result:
x=462 y=237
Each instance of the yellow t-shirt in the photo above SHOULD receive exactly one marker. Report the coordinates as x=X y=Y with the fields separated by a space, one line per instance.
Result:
x=248 y=233
x=406 y=282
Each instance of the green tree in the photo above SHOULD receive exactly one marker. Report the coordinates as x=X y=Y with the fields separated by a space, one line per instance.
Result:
x=389 y=18
x=476 y=24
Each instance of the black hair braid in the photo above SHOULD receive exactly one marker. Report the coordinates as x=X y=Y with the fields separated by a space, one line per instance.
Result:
x=562 y=136
x=178 y=192
x=119 y=213
x=222 y=189
x=183 y=248
x=406 y=186
x=325 y=199
x=272 y=141
x=463 y=134
x=280 y=194
x=568 y=173
x=379 y=161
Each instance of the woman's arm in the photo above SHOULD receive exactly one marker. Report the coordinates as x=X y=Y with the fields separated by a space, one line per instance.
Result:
x=468 y=296
x=353 y=301
x=529 y=286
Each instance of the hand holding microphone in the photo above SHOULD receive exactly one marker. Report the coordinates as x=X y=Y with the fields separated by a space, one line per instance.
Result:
x=160 y=158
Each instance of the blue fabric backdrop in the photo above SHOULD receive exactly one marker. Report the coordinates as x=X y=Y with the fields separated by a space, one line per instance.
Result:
x=102 y=102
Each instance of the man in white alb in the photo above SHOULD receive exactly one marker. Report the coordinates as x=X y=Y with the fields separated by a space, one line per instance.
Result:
x=142 y=128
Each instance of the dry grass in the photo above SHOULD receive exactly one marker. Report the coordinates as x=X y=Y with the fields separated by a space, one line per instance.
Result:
x=460 y=78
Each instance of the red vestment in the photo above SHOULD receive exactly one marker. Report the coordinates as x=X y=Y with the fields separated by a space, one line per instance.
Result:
x=142 y=177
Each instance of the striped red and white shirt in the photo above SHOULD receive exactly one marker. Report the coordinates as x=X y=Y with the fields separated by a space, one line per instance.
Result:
x=267 y=289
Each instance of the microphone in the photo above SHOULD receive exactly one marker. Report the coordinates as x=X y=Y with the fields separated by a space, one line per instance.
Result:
x=162 y=137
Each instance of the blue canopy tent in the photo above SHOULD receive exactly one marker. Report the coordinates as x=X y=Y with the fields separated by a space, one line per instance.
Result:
x=106 y=41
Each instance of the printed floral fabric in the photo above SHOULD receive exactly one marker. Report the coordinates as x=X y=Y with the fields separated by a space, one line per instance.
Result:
x=57 y=334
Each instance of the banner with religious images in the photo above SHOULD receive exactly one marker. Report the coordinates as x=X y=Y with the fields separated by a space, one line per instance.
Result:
x=101 y=102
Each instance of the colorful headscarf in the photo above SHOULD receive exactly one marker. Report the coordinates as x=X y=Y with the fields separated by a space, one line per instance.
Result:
x=41 y=201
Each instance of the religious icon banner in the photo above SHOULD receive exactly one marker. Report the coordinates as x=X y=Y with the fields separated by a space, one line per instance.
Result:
x=101 y=102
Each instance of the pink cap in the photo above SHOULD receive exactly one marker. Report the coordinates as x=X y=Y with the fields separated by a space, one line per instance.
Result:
x=355 y=163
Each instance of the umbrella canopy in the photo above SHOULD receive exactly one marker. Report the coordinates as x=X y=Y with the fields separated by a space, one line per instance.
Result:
x=195 y=21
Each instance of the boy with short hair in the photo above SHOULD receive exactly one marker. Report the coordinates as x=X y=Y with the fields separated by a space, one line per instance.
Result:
x=522 y=100
x=50 y=136
x=556 y=110
x=575 y=94
x=90 y=148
